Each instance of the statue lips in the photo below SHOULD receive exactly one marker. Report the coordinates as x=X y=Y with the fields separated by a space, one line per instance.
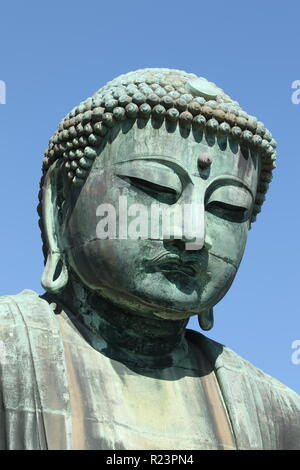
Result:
x=171 y=262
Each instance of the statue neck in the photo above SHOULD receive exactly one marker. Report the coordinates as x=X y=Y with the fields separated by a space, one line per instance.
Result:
x=128 y=337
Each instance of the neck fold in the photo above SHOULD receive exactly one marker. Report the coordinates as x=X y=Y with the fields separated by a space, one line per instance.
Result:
x=121 y=335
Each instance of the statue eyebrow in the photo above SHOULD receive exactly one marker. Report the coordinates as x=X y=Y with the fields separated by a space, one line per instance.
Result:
x=163 y=159
x=229 y=179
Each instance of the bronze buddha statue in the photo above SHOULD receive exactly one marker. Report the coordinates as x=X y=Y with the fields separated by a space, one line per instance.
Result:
x=103 y=359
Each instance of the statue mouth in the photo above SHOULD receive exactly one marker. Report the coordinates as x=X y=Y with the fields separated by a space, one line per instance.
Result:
x=172 y=263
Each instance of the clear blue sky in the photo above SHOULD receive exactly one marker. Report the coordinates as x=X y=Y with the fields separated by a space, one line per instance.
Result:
x=55 y=54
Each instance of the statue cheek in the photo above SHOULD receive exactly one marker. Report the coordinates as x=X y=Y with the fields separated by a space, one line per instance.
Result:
x=82 y=215
x=93 y=262
x=115 y=264
x=227 y=239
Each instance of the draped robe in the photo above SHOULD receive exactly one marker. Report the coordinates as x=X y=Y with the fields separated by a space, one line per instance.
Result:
x=57 y=392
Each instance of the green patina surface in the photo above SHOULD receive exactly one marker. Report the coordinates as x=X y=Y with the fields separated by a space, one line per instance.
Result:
x=103 y=360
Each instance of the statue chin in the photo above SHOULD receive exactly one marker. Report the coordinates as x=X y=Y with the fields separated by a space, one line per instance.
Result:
x=174 y=293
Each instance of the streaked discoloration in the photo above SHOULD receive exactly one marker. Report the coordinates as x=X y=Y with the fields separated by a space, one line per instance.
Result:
x=239 y=404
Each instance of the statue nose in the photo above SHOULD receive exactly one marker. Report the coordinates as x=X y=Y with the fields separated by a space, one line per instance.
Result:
x=194 y=226
x=190 y=227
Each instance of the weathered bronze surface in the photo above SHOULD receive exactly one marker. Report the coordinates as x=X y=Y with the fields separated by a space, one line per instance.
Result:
x=103 y=359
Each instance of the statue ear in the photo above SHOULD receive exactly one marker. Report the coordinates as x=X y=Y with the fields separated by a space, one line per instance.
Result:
x=55 y=275
x=206 y=320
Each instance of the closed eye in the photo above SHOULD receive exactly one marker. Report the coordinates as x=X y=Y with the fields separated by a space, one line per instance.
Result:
x=231 y=202
x=227 y=211
x=162 y=193
x=226 y=206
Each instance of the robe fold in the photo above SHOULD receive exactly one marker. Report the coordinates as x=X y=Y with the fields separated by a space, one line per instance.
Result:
x=36 y=391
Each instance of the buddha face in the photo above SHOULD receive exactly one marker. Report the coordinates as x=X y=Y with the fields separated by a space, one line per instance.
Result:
x=167 y=273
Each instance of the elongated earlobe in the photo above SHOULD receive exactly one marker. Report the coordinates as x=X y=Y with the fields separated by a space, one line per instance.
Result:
x=55 y=275
x=52 y=280
x=206 y=320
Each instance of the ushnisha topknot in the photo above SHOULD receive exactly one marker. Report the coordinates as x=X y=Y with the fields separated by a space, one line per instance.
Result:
x=157 y=93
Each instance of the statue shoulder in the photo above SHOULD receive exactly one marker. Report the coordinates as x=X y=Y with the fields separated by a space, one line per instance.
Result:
x=269 y=408
x=25 y=309
x=224 y=357
x=33 y=385
x=27 y=295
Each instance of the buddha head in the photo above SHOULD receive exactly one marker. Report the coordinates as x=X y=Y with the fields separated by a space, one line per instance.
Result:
x=148 y=192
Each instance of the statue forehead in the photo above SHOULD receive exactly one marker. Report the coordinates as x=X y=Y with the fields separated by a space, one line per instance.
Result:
x=227 y=157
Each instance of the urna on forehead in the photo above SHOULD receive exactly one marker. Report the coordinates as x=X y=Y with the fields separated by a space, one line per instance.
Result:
x=160 y=96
